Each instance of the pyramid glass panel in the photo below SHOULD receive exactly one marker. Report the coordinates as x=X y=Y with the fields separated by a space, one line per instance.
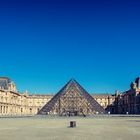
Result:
x=72 y=100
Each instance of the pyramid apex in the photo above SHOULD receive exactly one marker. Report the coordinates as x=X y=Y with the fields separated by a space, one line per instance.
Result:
x=72 y=79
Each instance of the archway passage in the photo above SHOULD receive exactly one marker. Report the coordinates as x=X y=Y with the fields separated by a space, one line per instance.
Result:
x=72 y=100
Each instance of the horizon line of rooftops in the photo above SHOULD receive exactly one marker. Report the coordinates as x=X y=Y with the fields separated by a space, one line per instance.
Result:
x=6 y=81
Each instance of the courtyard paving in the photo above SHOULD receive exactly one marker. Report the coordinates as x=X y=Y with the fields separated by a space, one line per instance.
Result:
x=57 y=128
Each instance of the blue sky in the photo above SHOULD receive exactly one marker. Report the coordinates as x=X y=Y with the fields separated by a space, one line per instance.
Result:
x=43 y=44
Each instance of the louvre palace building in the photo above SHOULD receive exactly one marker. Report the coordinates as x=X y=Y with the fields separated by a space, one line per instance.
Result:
x=72 y=99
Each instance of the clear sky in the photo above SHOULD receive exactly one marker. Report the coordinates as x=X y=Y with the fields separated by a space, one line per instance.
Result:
x=43 y=44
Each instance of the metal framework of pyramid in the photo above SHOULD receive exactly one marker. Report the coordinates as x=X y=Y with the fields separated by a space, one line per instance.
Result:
x=72 y=100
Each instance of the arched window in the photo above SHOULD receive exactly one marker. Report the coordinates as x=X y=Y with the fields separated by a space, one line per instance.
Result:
x=30 y=110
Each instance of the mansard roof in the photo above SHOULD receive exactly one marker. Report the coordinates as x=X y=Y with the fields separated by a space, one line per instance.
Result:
x=4 y=82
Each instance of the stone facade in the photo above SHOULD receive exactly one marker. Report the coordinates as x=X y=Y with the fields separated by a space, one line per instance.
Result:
x=104 y=100
x=36 y=102
x=128 y=102
x=14 y=103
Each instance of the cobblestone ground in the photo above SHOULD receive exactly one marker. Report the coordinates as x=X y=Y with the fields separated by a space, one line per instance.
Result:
x=53 y=128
